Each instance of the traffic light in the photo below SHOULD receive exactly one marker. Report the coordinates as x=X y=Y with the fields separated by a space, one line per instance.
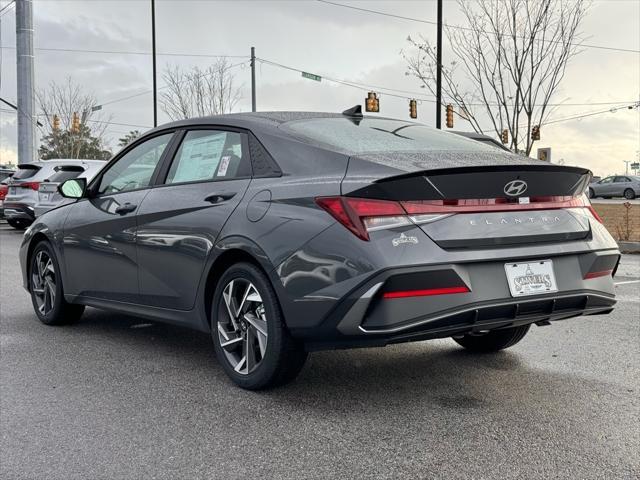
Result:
x=56 y=123
x=535 y=132
x=372 y=104
x=413 y=108
x=449 y=116
x=75 y=123
x=505 y=136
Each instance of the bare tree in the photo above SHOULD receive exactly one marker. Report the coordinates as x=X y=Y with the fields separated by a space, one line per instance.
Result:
x=62 y=101
x=199 y=92
x=513 y=53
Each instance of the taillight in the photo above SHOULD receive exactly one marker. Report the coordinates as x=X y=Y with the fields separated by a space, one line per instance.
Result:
x=362 y=215
x=31 y=185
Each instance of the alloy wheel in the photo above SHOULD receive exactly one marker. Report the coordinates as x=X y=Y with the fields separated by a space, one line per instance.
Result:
x=242 y=326
x=43 y=282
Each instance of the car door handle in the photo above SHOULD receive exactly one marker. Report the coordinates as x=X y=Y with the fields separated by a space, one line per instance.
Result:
x=219 y=197
x=126 y=208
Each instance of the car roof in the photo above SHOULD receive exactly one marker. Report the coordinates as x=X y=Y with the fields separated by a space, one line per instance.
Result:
x=260 y=120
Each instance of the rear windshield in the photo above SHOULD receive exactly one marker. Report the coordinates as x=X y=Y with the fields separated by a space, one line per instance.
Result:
x=65 y=173
x=378 y=135
x=25 y=171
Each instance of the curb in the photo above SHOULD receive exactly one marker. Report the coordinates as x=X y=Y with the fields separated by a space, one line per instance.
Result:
x=629 y=247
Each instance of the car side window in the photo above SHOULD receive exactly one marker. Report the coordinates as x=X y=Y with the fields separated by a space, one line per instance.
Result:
x=607 y=180
x=135 y=168
x=209 y=155
x=622 y=179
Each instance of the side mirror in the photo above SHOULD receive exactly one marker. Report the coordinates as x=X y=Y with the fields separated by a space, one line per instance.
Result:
x=73 y=188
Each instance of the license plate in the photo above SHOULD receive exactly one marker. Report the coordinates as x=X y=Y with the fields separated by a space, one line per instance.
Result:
x=45 y=197
x=531 y=278
x=12 y=190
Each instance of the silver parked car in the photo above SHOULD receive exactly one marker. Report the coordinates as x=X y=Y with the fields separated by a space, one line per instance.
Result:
x=48 y=195
x=22 y=196
x=627 y=186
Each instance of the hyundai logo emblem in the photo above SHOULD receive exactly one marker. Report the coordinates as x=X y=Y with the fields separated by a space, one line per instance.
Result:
x=515 y=188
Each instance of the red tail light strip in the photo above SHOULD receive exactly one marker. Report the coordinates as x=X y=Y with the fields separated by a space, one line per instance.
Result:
x=602 y=273
x=350 y=211
x=31 y=185
x=425 y=293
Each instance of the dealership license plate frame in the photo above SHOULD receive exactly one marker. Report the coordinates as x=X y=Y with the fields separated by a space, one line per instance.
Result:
x=527 y=279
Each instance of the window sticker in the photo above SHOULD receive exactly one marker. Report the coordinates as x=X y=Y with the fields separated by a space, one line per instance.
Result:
x=224 y=165
x=199 y=158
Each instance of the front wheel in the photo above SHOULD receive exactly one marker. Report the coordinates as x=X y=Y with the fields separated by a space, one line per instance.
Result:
x=249 y=334
x=629 y=194
x=45 y=286
x=494 y=340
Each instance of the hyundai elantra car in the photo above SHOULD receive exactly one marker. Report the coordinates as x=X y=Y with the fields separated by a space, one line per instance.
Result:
x=288 y=232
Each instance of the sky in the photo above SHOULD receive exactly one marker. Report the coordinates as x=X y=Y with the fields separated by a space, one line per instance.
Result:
x=316 y=37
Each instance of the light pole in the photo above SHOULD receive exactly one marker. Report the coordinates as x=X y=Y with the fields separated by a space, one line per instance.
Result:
x=24 y=63
x=153 y=53
x=439 y=68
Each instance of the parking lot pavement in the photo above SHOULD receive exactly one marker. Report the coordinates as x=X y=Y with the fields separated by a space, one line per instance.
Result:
x=119 y=397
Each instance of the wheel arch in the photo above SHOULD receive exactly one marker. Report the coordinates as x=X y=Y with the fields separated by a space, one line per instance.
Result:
x=229 y=252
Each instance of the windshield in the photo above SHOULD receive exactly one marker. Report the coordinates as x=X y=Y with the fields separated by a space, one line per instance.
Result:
x=373 y=135
x=65 y=173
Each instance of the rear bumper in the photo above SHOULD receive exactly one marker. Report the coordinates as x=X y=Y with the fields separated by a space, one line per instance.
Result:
x=365 y=318
x=18 y=211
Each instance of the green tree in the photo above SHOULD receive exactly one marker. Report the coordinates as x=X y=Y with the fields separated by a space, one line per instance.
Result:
x=68 y=144
x=128 y=138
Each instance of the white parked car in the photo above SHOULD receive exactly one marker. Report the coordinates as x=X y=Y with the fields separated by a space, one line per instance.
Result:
x=48 y=195
x=22 y=195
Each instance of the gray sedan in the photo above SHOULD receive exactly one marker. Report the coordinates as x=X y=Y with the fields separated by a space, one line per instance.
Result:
x=627 y=186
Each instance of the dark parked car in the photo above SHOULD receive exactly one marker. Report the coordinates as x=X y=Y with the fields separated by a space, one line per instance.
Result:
x=627 y=186
x=283 y=233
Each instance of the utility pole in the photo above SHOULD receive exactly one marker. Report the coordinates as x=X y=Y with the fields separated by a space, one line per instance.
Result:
x=253 y=79
x=26 y=106
x=153 y=54
x=439 y=68
x=626 y=166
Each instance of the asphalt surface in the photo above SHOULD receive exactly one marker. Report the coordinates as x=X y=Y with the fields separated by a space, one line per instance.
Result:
x=118 y=397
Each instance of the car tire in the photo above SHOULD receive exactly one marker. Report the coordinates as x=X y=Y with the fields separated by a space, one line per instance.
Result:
x=494 y=340
x=250 y=337
x=592 y=194
x=17 y=224
x=629 y=194
x=45 y=286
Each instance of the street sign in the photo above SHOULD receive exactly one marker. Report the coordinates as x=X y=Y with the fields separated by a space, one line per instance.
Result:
x=635 y=166
x=544 y=154
x=312 y=76
x=96 y=108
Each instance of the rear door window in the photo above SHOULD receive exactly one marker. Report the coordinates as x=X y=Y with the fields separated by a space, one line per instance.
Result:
x=206 y=155
x=25 y=171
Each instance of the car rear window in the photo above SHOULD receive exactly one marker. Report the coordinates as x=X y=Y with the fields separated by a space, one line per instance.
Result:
x=373 y=135
x=63 y=174
x=25 y=171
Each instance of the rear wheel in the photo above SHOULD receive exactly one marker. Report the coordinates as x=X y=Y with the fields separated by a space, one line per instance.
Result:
x=494 y=340
x=249 y=334
x=45 y=285
x=629 y=194
x=592 y=194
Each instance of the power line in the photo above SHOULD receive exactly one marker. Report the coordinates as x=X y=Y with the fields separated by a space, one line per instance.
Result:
x=417 y=95
x=146 y=92
x=5 y=9
x=459 y=27
x=129 y=52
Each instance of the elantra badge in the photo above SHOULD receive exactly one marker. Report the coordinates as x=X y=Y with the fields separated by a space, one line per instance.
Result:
x=402 y=239
x=515 y=188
